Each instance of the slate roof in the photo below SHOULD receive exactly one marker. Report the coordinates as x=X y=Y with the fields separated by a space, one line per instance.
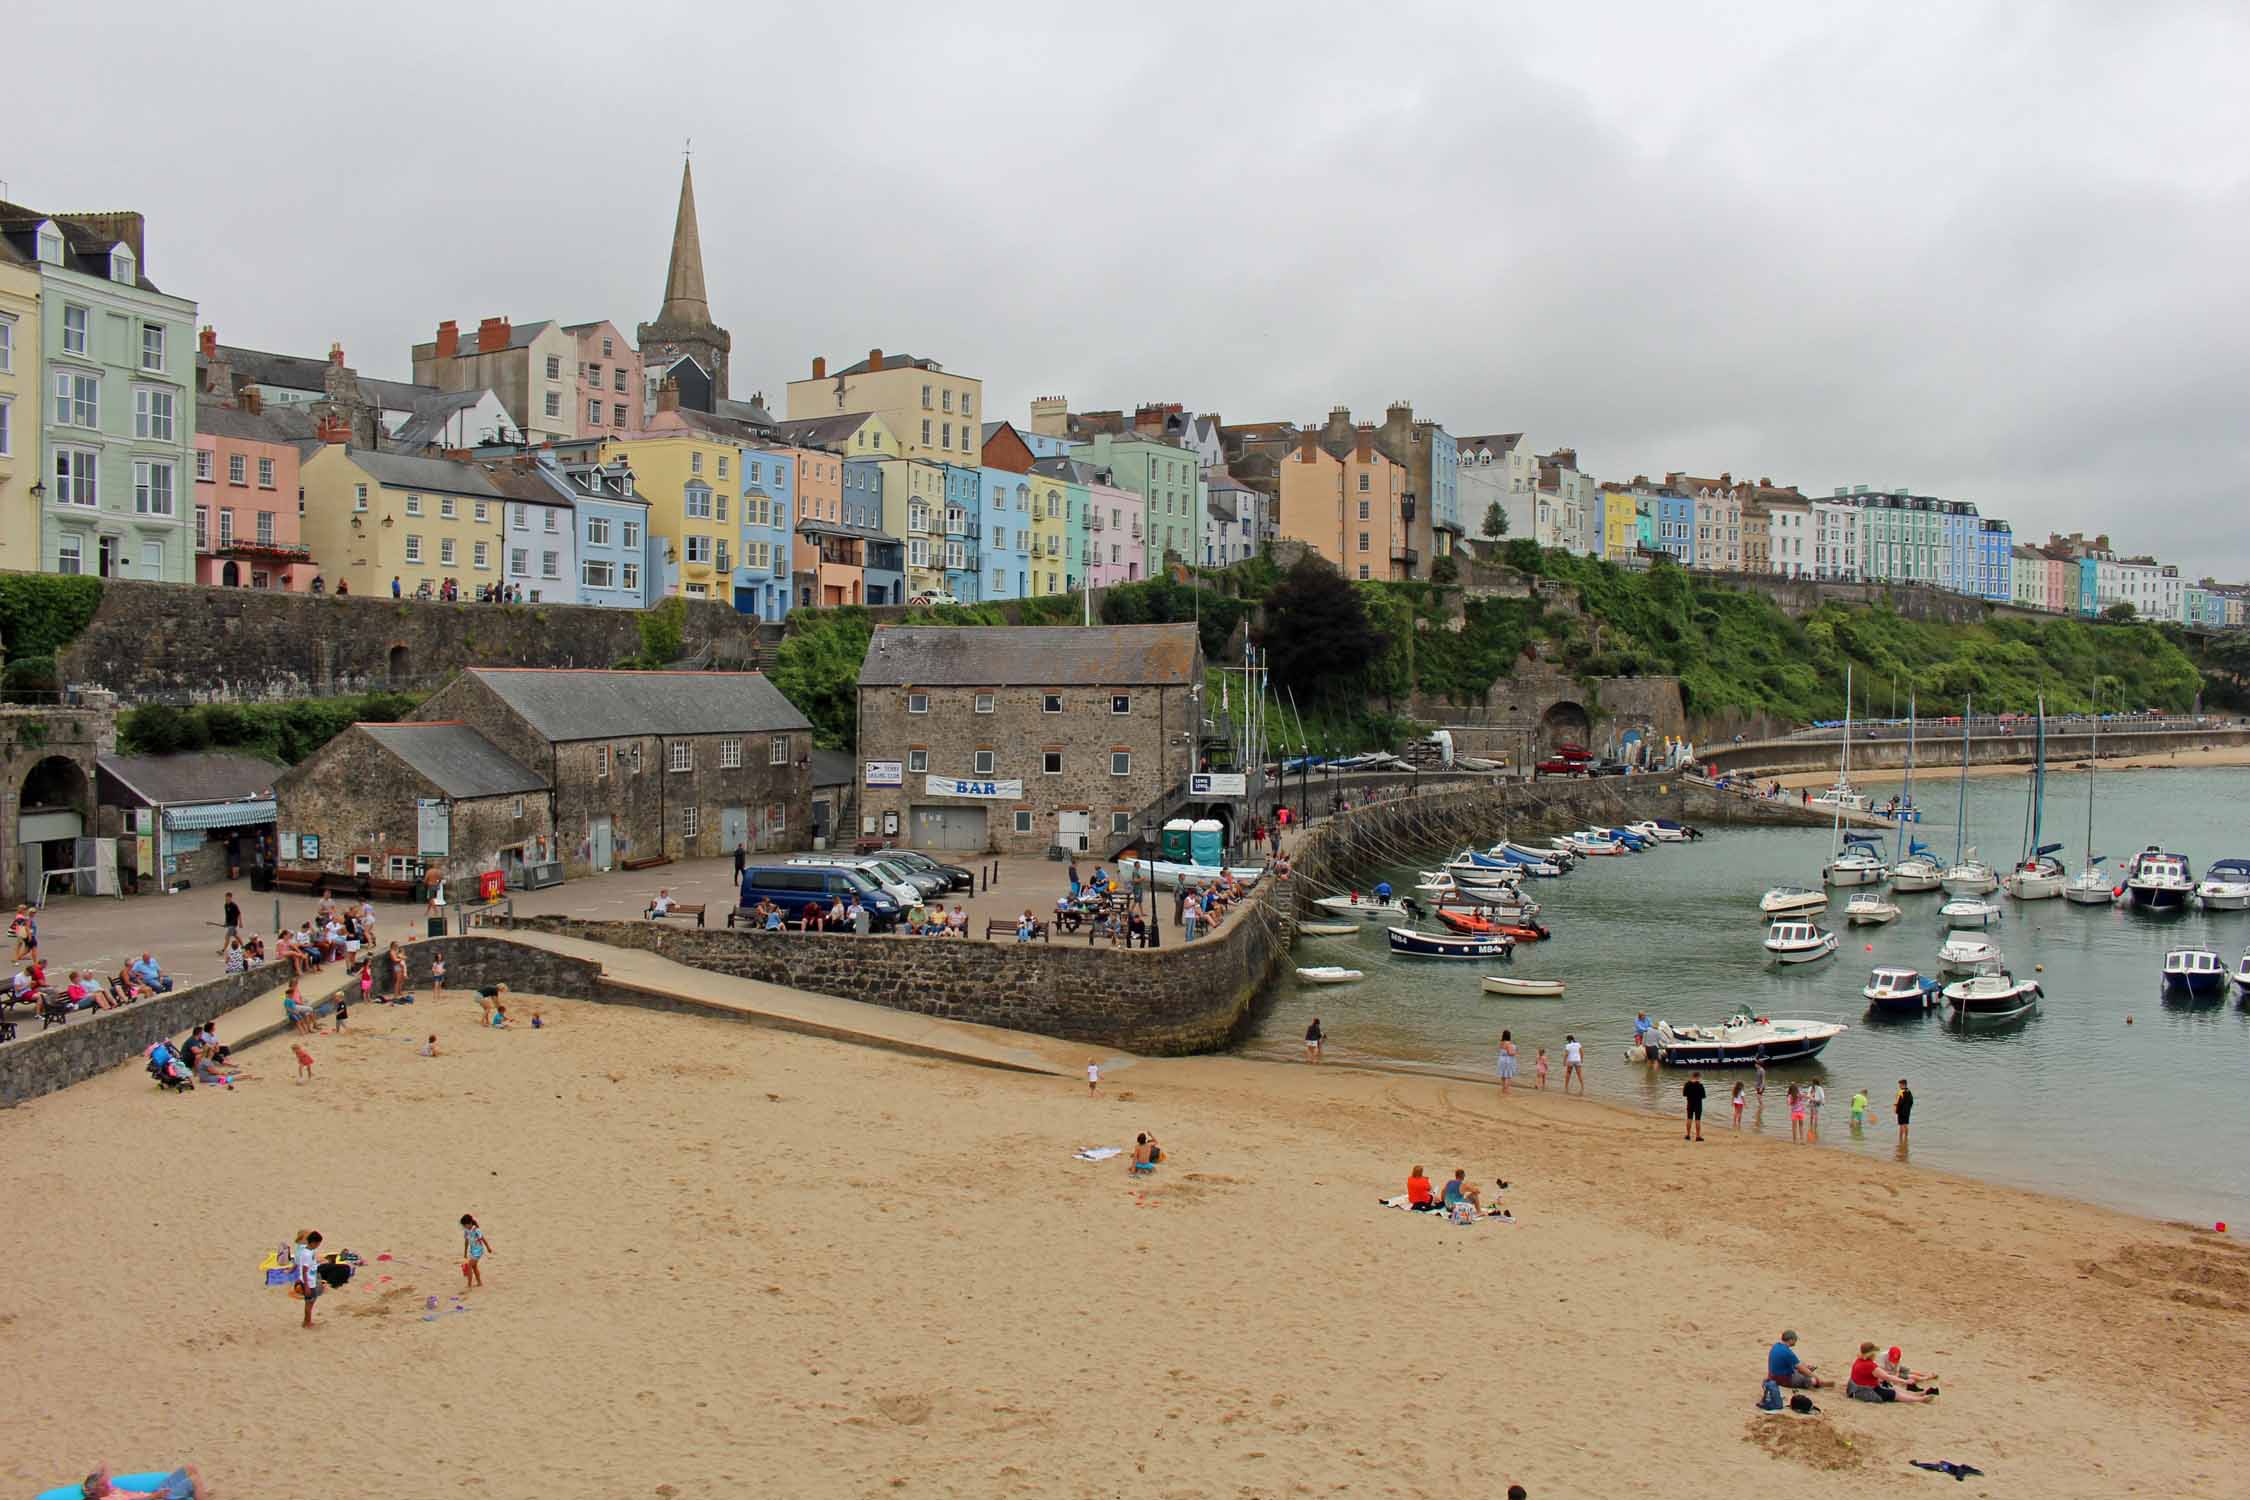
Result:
x=1498 y=442
x=276 y=424
x=1031 y=656
x=820 y=432
x=299 y=372
x=562 y=704
x=85 y=248
x=455 y=759
x=751 y=412
x=890 y=362
x=431 y=415
x=408 y=471
x=832 y=768
x=531 y=483
x=206 y=776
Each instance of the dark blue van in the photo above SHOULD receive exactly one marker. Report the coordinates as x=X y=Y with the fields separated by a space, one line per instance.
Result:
x=795 y=887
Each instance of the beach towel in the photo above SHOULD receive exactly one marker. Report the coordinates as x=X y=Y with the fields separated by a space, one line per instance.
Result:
x=1440 y=1214
x=1098 y=1153
x=1947 y=1466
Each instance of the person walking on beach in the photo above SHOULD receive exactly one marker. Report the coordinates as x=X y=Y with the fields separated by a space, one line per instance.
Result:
x=1573 y=1063
x=1313 y=1040
x=1507 y=1062
x=1759 y=1062
x=1093 y=1076
x=1693 y=1091
x=1542 y=1067
x=474 y=1248
x=1903 y=1107
x=1796 y=1114
x=307 y=1260
x=1739 y=1100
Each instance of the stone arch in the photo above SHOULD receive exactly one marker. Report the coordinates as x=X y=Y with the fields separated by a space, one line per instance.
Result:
x=400 y=664
x=56 y=783
x=1565 y=722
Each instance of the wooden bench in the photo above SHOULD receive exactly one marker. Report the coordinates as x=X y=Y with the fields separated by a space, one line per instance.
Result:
x=870 y=844
x=680 y=909
x=390 y=890
x=300 y=882
x=645 y=862
x=1002 y=927
x=745 y=916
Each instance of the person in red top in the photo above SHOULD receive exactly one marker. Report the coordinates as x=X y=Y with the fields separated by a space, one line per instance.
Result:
x=1868 y=1384
x=1418 y=1193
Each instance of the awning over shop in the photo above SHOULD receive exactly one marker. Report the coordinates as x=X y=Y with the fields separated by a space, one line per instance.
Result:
x=196 y=815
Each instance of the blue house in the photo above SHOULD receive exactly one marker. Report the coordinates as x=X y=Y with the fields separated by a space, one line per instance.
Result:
x=762 y=573
x=1996 y=544
x=1006 y=519
x=1675 y=525
x=884 y=571
x=619 y=563
x=964 y=533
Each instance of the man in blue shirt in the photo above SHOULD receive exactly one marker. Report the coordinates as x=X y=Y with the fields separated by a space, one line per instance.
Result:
x=1642 y=1026
x=145 y=970
x=1784 y=1369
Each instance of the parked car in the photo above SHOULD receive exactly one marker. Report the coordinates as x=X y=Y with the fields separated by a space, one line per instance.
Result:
x=957 y=878
x=1605 y=768
x=795 y=887
x=897 y=882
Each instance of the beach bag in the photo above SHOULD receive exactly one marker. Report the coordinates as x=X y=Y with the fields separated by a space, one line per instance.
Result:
x=1802 y=1404
x=1769 y=1399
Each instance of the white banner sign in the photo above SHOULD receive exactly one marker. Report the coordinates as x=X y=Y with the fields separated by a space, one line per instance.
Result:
x=948 y=786
x=1219 y=784
x=886 y=773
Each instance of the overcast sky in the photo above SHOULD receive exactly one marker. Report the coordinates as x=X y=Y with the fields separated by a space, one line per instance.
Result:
x=1992 y=252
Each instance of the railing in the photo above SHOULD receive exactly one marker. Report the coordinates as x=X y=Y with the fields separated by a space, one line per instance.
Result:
x=1094 y=522
x=1406 y=555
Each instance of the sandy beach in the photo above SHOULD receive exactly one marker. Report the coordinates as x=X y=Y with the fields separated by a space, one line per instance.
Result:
x=2186 y=760
x=730 y=1261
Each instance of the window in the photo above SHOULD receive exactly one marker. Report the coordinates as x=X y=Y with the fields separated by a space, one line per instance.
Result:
x=730 y=754
x=777 y=750
x=947 y=440
x=722 y=466
x=593 y=413
x=1051 y=703
x=554 y=403
x=265 y=528
x=481 y=556
x=1363 y=484
x=1023 y=820
x=925 y=429
x=519 y=809
x=636 y=757
x=917 y=760
x=609 y=348
x=1363 y=570
x=547 y=524
x=554 y=367
x=984 y=703
x=448 y=507
x=413 y=548
x=617 y=383
x=617 y=413
x=550 y=563
x=69 y=555
x=695 y=463
x=203 y=458
x=720 y=503
x=236 y=472
x=629 y=577
x=691 y=822
x=968 y=407
x=597 y=531
x=1050 y=762
x=7 y=343
x=519 y=562
x=683 y=755
x=413 y=505
x=697 y=502
x=520 y=517
x=984 y=762
x=1120 y=823
x=917 y=703
x=445 y=551
x=925 y=399
x=1120 y=762
x=152 y=488
x=359 y=497
x=1121 y=703
x=265 y=475
x=152 y=414
x=203 y=528
x=152 y=346
x=596 y=575
x=75 y=321
x=699 y=549
x=1363 y=510
x=601 y=762
x=945 y=400
x=78 y=400
x=1363 y=541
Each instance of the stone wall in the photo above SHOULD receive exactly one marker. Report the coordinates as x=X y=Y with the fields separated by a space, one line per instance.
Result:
x=1869 y=756
x=40 y=1062
x=182 y=643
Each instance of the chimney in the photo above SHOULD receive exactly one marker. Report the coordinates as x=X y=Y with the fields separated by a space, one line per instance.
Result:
x=334 y=429
x=874 y=360
x=1308 y=445
x=252 y=402
x=492 y=335
x=208 y=342
x=819 y=367
x=1366 y=442
x=448 y=339
x=668 y=396
x=336 y=354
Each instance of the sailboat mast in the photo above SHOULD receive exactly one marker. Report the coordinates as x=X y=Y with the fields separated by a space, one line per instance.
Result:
x=1961 y=803
x=1906 y=792
x=2093 y=764
x=2039 y=783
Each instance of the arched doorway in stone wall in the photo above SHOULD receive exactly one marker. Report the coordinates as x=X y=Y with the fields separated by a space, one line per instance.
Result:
x=54 y=806
x=401 y=664
x=1566 y=723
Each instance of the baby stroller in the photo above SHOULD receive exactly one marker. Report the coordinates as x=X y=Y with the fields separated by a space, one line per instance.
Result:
x=169 y=1069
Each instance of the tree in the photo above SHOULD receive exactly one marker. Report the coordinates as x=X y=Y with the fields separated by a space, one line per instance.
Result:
x=817 y=670
x=2120 y=613
x=1495 y=521
x=1316 y=634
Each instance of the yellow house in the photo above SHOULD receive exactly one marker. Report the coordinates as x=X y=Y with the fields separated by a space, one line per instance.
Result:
x=1048 y=569
x=930 y=413
x=372 y=517
x=19 y=412
x=691 y=478
x=1621 y=525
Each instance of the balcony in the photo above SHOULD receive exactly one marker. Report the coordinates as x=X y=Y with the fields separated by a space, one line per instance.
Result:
x=1094 y=522
x=1405 y=556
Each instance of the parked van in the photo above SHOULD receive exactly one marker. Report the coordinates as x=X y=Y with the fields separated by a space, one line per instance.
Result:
x=795 y=887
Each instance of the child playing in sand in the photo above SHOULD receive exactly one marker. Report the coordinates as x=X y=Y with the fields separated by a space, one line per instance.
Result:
x=429 y=1048
x=536 y=1021
x=343 y=1008
x=499 y=1016
x=474 y=1248
x=1542 y=1067
x=304 y=1061
x=366 y=980
x=1093 y=1076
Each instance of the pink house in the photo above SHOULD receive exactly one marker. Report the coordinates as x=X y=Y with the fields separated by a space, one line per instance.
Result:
x=609 y=380
x=246 y=531
x=1113 y=554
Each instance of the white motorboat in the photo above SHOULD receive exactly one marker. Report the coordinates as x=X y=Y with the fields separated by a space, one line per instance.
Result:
x=1841 y=797
x=1165 y=873
x=1501 y=984
x=1356 y=905
x=1592 y=844
x=2156 y=881
x=2225 y=886
x=1969 y=911
x=1329 y=929
x=1328 y=974
x=1900 y=991
x=1870 y=911
x=1737 y=1042
x=1799 y=942
x=1990 y=996
x=1965 y=953
x=1858 y=864
x=1793 y=901
x=2196 y=972
x=2242 y=973
x=1651 y=829
x=1532 y=856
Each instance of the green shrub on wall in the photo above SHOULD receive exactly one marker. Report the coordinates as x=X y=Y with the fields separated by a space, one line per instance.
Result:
x=40 y=613
x=284 y=732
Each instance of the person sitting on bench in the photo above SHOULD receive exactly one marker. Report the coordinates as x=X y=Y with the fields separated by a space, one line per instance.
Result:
x=663 y=903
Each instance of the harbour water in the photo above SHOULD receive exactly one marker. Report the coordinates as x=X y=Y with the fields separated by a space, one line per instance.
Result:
x=2152 y=1116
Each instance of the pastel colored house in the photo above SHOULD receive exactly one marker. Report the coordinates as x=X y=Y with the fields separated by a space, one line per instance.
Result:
x=1836 y=535
x=931 y=412
x=828 y=548
x=1233 y=512
x=1053 y=564
x=685 y=465
x=1994 y=576
x=1620 y=525
x=883 y=560
x=1346 y=508
x=763 y=577
x=19 y=410
x=817 y=476
x=373 y=516
x=1170 y=485
x=116 y=414
x=539 y=531
x=609 y=400
x=248 y=533
x=964 y=533
x=1007 y=531
x=617 y=565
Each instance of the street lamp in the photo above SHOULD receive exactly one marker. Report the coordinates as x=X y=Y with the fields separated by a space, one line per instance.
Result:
x=1148 y=845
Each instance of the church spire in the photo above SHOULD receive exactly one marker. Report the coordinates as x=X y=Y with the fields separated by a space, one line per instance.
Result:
x=685 y=302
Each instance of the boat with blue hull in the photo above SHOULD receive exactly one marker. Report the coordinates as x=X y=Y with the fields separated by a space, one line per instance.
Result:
x=2156 y=881
x=1411 y=944
x=2195 y=973
x=1902 y=992
x=1741 y=1041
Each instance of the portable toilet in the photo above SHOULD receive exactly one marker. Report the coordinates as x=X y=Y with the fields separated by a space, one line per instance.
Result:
x=1178 y=841
x=1210 y=841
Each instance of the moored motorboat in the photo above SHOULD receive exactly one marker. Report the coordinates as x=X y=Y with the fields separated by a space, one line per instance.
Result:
x=1166 y=874
x=1793 y=901
x=1991 y=996
x=1532 y=854
x=1501 y=984
x=1738 y=1042
x=2156 y=881
x=1651 y=828
x=1356 y=905
x=2242 y=975
x=1328 y=974
x=2194 y=971
x=1409 y=943
x=1901 y=991
x=1870 y=910
x=1521 y=928
x=1969 y=911
x=1329 y=929
x=2225 y=886
x=1799 y=942
x=1965 y=953
x=1858 y=862
x=1687 y=830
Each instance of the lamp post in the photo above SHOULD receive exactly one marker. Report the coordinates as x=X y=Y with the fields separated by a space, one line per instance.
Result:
x=1148 y=842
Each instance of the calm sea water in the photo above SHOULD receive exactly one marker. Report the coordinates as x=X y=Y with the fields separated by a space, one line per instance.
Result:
x=2151 y=1117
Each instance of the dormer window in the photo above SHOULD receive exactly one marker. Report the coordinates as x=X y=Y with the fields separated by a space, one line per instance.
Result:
x=50 y=245
x=122 y=266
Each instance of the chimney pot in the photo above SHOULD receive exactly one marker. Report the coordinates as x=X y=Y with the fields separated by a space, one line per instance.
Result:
x=448 y=339
x=208 y=341
x=336 y=355
x=668 y=396
x=252 y=402
x=492 y=335
x=874 y=360
x=334 y=429
x=819 y=367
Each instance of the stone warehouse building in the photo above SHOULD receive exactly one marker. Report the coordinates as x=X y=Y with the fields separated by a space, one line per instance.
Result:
x=641 y=764
x=386 y=799
x=1019 y=739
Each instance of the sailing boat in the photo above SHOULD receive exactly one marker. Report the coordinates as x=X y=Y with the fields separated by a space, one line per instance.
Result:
x=2040 y=876
x=1858 y=860
x=1916 y=871
x=1968 y=876
x=2090 y=887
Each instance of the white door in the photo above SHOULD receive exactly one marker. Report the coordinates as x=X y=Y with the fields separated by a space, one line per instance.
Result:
x=734 y=829
x=604 y=853
x=1071 y=831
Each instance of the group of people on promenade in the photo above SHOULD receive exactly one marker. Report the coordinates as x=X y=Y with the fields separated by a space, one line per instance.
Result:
x=81 y=990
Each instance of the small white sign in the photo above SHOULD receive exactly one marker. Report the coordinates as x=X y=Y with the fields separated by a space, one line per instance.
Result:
x=950 y=786
x=886 y=773
x=1219 y=784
